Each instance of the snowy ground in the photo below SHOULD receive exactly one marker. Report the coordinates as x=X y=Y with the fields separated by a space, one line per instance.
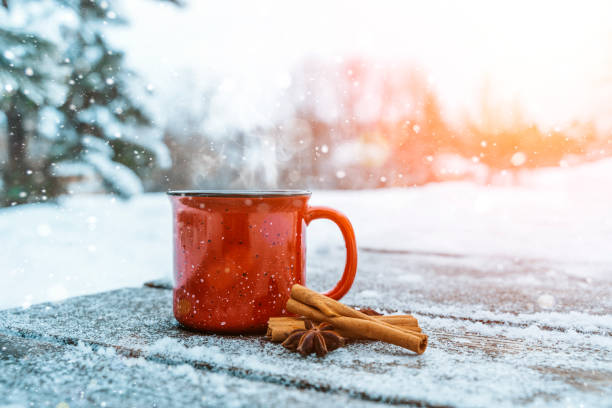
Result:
x=89 y=244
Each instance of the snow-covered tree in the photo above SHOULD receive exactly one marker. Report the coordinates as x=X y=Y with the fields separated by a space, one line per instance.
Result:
x=104 y=122
x=87 y=108
x=24 y=87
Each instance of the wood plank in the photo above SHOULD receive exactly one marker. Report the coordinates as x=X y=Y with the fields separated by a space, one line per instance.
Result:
x=38 y=373
x=480 y=289
x=487 y=347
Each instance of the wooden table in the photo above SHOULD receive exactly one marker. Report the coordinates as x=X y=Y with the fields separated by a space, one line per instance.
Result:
x=503 y=332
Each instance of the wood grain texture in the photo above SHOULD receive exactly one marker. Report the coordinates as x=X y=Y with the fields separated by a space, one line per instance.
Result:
x=491 y=343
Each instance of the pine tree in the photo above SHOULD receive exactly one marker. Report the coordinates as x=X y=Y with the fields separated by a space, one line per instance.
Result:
x=95 y=111
x=103 y=121
x=23 y=89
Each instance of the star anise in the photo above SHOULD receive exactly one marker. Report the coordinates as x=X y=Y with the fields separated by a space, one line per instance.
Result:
x=319 y=339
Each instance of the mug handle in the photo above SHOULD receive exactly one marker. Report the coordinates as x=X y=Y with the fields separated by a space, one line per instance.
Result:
x=343 y=286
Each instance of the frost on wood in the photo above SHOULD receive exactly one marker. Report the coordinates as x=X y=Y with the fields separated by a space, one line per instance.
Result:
x=84 y=376
x=511 y=363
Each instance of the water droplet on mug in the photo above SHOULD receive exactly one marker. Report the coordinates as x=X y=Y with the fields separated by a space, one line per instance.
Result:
x=222 y=323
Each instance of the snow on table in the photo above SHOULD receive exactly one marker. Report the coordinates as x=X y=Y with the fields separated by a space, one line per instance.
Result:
x=503 y=332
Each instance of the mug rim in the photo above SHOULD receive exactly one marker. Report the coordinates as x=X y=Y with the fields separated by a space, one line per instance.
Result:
x=238 y=193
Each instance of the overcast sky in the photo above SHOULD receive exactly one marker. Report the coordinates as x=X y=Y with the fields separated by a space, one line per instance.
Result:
x=553 y=58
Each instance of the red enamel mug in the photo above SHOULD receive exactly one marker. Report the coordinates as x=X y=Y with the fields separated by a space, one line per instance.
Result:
x=237 y=254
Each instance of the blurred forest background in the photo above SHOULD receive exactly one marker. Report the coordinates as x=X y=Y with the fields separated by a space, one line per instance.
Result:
x=75 y=119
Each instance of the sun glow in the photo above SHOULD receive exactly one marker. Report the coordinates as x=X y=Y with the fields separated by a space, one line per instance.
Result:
x=473 y=87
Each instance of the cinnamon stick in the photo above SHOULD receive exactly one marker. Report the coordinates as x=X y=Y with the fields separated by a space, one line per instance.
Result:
x=413 y=341
x=313 y=305
x=331 y=307
x=396 y=320
x=279 y=328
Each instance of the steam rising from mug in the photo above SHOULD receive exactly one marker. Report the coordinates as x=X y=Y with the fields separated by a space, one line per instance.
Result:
x=254 y=159
x=220 y=139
